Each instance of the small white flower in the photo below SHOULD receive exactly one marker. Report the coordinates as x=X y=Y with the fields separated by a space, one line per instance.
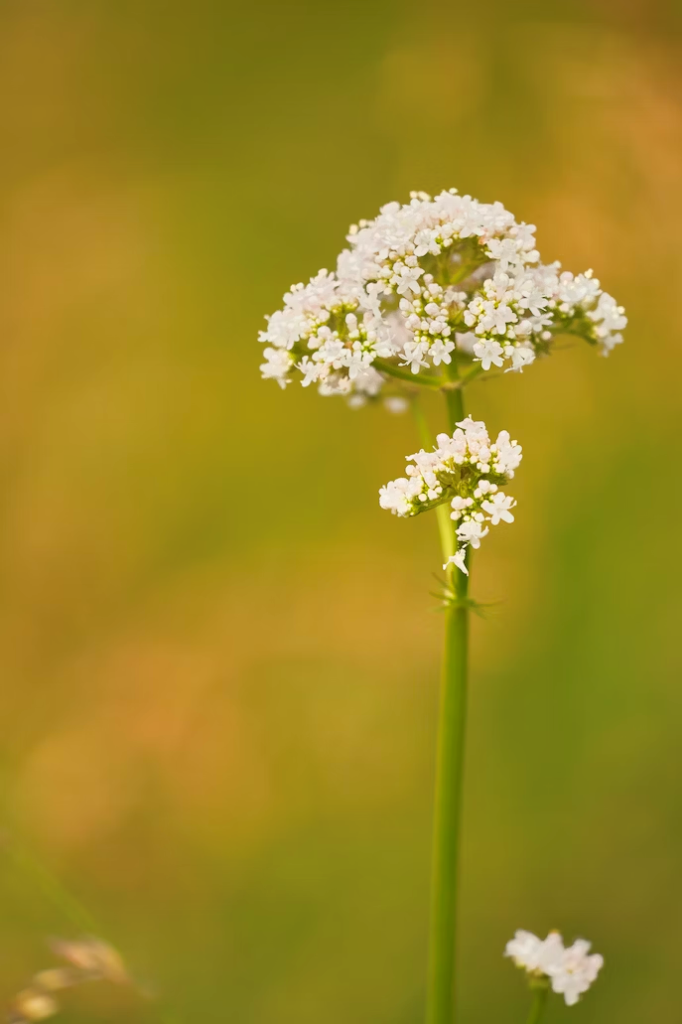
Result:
x=523 y=949
x=536 y=956
x=396 y=496
x=490 y=353
x=465 y=469
x=506 y=252
x=312 y=371
x=440 y=352
x=407 y=280
x=414 y=353
x=521 y=355
x=471 y=532
x=459 y=560
x=276 y=366
x=570 y=970
x=575 y=971
x=498 y=507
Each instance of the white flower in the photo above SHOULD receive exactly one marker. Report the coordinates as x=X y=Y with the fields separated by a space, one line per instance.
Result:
x=490 y=353
x=506 y=252
x=312 y=371
x=472 y=532
x=512 y=305
x=458 y=559
x=407 y=280
x=494 y=317
x=396 y=496
x=533 y=954
x=465 y=469
x=570 y=970
x=520 y=355
x=609 y=320
x=277 y=364
x=575 y=971
x=440 y=352
x=608 y=315
x=524 y=949
x=498 y=507
x=506 y=454
x=414 y=353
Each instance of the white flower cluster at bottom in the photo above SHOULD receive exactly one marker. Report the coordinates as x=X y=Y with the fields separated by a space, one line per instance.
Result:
x=570 y=969
x=467 y=470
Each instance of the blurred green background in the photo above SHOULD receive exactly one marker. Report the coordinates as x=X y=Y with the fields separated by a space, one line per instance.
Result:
x=219 y=658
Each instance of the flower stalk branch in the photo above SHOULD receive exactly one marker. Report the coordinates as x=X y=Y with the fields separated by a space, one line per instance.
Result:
x=540 y=994
x=401 y=373
x=449 y=762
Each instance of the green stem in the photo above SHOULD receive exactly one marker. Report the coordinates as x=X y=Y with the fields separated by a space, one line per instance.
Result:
x=403 y=374
x=445 y=530
x=538 y=1005
x=426 y=380
x=473 y=372
x=449 y=782
x=454 y=400
x=448 y=807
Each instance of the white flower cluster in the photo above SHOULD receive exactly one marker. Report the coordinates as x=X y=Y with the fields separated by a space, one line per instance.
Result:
x=570 y=969
x=467 y=470
x=327 y=332
x=518 y=314
x=426 y=279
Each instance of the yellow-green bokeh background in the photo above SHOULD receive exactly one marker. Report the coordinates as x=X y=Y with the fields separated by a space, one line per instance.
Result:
x=218 y=657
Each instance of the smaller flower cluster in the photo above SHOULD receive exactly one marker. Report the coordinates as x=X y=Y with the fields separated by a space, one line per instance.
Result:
x=323 y=333
x=88 y=959
x=467 y=470
x=519 y=310
x=570 y=970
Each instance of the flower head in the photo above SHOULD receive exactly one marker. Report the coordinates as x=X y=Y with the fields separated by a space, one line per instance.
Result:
x=426 y=279
x=570 y=970
x=327 y=332
x=466 y=469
